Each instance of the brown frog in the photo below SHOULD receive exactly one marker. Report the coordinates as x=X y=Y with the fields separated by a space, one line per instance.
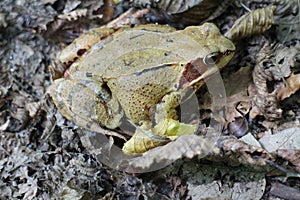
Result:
x=140 y=75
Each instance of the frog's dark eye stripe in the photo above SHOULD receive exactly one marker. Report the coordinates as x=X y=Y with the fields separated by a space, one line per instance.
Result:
x=80 y=52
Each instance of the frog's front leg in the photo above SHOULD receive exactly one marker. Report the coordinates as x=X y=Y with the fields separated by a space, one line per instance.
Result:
x=167 y=127
x=166 y=117
x=86 y=103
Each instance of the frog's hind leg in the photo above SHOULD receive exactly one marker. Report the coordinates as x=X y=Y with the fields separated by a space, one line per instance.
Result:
x=86 y=104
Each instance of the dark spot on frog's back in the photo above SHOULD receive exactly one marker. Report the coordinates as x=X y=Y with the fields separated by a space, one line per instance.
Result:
x=80 y=52
x=89 y=74
x=152 y=69
x=136 y=36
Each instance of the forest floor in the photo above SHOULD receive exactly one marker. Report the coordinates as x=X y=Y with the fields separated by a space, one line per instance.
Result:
x=45 y=156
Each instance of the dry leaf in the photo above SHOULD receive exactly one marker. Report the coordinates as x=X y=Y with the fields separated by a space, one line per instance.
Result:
x=154 y=159
x=222 y=182
x=292 y=86
x=244 y=153
x=73 y=15
x=286 y=139
x=233 y=102
x=265 y=102
x=284 y=192
x=291 y=155
x=252 y=23
x=182 y=13
x=238 y=102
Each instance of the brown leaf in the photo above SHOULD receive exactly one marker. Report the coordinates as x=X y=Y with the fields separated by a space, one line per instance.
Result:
x=292 y=85
x=291 y=155
x=265 y=101
x=252 y=23
x=73 y=15
x=238 y=101
x=284 y=192
x=233 y=102
x=244 y=153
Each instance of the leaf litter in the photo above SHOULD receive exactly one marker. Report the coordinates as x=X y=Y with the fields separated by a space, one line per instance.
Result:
x=42 y=155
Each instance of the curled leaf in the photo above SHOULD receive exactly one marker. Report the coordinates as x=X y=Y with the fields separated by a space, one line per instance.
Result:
x=286 y=9
x=265 y=101
x=252 y=23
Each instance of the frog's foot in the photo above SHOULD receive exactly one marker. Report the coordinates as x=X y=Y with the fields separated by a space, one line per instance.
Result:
x=146 y=139
x=171 y=128
x=142 y=141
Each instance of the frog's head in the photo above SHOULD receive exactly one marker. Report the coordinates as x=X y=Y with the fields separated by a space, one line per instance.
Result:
x=215 y=53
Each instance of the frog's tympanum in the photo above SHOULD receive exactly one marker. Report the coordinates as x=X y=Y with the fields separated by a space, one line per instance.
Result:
x=140 y=75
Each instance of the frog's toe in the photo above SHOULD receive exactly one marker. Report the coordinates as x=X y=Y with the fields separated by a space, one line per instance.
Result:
x=142 y=141
x=173 y=128
x=181 y=129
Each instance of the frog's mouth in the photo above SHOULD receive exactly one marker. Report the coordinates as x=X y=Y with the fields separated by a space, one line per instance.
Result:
x=200 y=69
x=196 y=71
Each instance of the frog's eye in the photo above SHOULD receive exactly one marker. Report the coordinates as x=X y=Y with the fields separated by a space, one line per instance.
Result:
x=212 y=58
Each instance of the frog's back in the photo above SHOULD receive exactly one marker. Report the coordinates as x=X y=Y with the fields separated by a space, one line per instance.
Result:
x=135 y=50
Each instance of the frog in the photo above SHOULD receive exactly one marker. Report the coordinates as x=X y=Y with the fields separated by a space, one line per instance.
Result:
x=138 y=75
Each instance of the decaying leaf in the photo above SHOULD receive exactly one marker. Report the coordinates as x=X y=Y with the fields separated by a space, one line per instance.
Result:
x=238 y=101
x=76 y=9
x=178 y=187
x=282 y=60
x=252 y=23
x=218 y=181
x=284 y=192
x=273 y=63
x=286 y=10
x=130 y=17
x=287 y=18
x=291 y=155
x=74 y=15
x=182 y=13
x=28 y=189
x=292 y=86
x=244 y=153
x=33 y=108
x=70 y=193
x=286 y=139
x=265 y=102
x=154 y=159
